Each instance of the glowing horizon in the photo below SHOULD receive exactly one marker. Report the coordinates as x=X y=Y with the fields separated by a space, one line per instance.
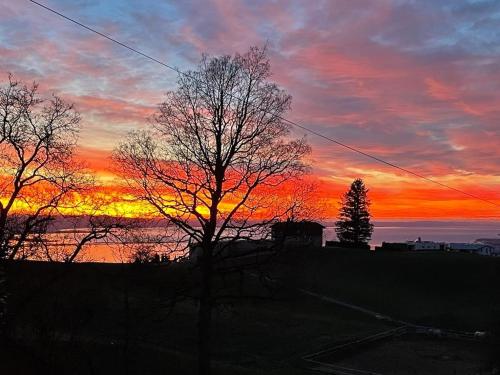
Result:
x=415 y=84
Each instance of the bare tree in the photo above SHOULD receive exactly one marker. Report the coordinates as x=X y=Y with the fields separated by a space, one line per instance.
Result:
x=37 y=170
x=217 y=155
x=302 y=200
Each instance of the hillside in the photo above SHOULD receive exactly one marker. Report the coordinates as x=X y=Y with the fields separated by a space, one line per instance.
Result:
x=112 y=318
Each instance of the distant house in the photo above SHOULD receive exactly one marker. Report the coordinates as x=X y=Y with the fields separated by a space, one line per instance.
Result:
x=475 y=248
x=420 y=245
x=493 y=242
x=393 y=246
x=348 y=245
x=298 y=233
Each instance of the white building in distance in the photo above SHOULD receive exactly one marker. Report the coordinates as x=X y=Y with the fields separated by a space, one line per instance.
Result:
x=419 y=245
x=493 y=242
x=474 y=248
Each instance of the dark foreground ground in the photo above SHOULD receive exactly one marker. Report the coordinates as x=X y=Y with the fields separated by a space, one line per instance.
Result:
x=118 y=319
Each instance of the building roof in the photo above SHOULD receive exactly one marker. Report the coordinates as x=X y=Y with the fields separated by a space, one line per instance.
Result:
x=489 y=241
x=468 y=245
x=297 y=226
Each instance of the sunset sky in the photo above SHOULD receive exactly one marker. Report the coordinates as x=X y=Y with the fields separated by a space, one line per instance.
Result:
x=416 y=83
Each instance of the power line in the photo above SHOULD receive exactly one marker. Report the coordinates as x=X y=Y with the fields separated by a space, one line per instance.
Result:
x=293 y=123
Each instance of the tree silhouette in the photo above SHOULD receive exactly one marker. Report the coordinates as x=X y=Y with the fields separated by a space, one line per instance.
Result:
x=38 y=172
x=353 y=225
x=215 y=161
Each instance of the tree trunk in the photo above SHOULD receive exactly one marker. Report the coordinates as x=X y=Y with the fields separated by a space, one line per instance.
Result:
x=3 y=300
x=205 y=313
x=3 y=244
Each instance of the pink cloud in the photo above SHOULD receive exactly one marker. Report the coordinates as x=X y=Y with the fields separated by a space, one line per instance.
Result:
x=392 y=78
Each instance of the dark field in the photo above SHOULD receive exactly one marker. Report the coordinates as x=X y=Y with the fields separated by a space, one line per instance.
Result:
x=449 y=290
x=110 y=318
x=412 y=354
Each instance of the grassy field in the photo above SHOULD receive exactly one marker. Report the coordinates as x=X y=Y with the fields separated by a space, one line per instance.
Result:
x=449 y=290
x=111 y=318
x=413 y=354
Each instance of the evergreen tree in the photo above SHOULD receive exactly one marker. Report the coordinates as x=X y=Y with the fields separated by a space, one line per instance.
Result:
x=353 y=225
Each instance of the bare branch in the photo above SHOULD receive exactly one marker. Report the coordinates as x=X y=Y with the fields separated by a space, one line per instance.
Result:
x=37 y=170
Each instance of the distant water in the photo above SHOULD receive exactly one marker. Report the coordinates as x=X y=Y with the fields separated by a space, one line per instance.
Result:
x=454 y=231
x=388 y=231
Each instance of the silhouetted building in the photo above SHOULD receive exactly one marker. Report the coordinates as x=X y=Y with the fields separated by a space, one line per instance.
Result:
x=393 y=246
x=347 y=245
x=298 y=233
x=420 y=245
